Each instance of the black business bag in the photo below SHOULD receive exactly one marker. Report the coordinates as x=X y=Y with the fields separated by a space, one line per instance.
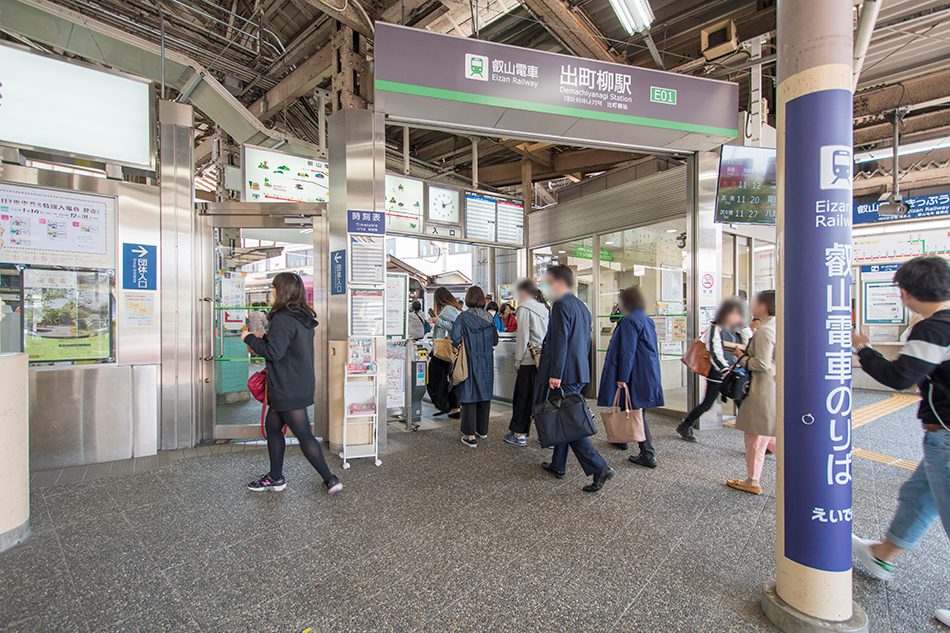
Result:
x=563 y=419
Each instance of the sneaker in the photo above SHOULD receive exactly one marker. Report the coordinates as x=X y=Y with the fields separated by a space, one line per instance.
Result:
x=479 y=435
x=686 y=431
x=266 y=483
x=517 y=440
x=333 y=486
x=877 y=568
x=942 y=616
x=471 y=443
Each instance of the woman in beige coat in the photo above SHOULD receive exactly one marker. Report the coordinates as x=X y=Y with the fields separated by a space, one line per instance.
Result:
x=757 y=415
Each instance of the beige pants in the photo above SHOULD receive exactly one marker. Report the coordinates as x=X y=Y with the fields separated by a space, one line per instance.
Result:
x=755 y=446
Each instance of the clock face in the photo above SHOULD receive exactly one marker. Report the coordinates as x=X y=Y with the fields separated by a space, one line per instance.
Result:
x=444 y=205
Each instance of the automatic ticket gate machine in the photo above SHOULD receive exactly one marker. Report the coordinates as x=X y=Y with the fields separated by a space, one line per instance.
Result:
x=419 y=376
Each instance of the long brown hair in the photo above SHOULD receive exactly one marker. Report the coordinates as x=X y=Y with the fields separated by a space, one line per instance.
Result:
x=289 y=294
x=444 y=298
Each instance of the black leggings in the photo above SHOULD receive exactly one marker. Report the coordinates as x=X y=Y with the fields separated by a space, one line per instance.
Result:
x=299 y=424
x=712 y=394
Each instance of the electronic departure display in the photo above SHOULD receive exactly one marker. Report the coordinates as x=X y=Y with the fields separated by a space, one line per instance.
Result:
x=746 y=186
x=493 y=218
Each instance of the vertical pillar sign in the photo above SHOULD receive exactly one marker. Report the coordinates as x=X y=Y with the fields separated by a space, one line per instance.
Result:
x=818 y=342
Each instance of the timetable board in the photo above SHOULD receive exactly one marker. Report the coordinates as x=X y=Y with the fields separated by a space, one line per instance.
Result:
x=493 y=218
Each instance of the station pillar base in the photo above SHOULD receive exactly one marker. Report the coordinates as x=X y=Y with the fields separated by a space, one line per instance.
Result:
x=790 y=620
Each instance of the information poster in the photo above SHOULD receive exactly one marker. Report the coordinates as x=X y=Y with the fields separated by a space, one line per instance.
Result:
x=396 y=374
x=233 y=316
x=366 y=260
x=479 y=217
x=271 y=176
x=404 y=204
x=139 y=309
x=678 y=327
x=56 y=228
x=882 y=303
x=671 y=285
x=366 y=312
x=67 y=315
x=397 y=292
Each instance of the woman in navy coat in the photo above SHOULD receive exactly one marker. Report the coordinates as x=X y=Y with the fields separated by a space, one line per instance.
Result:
x=633 y=360
x=477 y=328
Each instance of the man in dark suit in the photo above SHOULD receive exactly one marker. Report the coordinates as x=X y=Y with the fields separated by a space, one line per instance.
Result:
x=564 y=365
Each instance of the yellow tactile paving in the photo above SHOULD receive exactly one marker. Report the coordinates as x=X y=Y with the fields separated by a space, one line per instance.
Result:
x=884 y=459
x=877 y=410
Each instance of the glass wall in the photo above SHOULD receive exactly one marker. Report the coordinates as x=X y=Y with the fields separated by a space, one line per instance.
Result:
x=578 y=255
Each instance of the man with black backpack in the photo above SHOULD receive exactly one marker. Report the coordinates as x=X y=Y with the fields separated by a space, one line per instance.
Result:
x=924 y=283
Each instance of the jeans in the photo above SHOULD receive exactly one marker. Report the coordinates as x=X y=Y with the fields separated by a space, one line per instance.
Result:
x=925 y=496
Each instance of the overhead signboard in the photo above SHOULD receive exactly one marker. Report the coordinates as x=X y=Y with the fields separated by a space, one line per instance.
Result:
x=479 y=217
x=404 y=198
x=542 y=94
x=272 y=176
x=56 y=228
x=494 y=218
x=746 y=186
x=64 y=107
x=919 y=207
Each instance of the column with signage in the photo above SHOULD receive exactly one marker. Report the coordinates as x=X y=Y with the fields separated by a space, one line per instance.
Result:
x=813 y=588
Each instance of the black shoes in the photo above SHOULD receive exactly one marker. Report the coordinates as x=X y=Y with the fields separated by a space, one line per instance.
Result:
x=333 y=486
x=548 y=467
x=643 y=460
x=686 y=431
x=266 y=483
x=600 y=479
x=621 y=445
x=438 y=413
x=455 y=416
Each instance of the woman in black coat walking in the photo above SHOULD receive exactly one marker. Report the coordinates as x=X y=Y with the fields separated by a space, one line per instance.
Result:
x=288 y=349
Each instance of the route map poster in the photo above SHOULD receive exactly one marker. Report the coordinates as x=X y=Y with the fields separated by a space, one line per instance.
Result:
x=56 y=228
x=67 y=315
x=271 y=176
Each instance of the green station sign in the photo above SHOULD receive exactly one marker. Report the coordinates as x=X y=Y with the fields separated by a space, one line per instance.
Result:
x=662 y=95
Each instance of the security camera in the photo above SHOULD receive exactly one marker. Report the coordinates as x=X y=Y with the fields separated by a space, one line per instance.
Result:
x=896 y=208
x=681 y=240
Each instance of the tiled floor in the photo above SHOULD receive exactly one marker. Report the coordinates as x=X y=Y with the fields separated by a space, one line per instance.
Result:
x=440 y=538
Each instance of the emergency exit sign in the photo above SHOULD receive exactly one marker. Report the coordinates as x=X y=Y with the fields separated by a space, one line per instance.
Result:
x=662 y=95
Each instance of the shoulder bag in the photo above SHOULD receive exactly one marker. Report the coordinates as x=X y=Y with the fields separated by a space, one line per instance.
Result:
x=698 y=358
x=460 y=365
x=563 y=419
x=735 y=384
x=623 y=426
x=535 y=351
x=443 y=350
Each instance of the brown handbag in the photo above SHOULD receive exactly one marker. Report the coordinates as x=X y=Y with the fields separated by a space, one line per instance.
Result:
x=535 y=352
x=697 y=358
x=623 y=426
x=460 y=366
x=442 y=349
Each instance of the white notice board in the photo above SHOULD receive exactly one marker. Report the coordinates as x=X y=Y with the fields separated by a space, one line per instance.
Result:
x=56 y=228
x=366 y=312
x=882 y=303
x=366 y=255
x=397 y=298
x=272 y=176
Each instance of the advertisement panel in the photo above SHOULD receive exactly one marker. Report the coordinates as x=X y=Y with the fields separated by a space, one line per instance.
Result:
x=272 y=176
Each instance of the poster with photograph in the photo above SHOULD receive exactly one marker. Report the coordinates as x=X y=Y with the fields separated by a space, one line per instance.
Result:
x=272 y=176
x=67 y=315
x=360 y=356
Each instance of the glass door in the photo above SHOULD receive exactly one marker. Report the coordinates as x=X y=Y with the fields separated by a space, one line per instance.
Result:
x=245 y=254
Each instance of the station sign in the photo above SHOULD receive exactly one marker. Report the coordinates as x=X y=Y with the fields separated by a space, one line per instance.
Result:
x=547 y=94
x=919 y=207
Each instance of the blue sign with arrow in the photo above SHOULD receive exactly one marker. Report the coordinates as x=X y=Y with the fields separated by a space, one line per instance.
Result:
x=139 y=267
x=338 y=272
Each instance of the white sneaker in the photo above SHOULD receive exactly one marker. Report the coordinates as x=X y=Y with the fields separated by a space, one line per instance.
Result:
x=877 y=568
x=942 y=616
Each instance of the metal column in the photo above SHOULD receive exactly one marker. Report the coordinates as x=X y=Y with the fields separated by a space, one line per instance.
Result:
x=813 y=587
x=180 y=404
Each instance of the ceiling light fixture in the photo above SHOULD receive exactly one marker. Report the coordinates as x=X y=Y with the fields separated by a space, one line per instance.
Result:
x=903 y=150
x=635 y=16
x=671 y=230
x=610 y=242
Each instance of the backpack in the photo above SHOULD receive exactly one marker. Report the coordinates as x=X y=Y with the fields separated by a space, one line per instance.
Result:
x=426 y=328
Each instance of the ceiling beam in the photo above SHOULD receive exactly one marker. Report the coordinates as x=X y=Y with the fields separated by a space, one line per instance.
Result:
x=884 y=131
x=299 y=83
x=576 y=33
x=418 y=13
x=917 y=179
x=351 y=16
x=584 y=160
x=871 y=103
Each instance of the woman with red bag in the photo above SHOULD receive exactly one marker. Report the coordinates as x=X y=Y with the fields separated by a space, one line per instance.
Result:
x=288 y=350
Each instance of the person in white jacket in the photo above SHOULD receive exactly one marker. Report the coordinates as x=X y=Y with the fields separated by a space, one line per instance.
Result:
x=532 y=317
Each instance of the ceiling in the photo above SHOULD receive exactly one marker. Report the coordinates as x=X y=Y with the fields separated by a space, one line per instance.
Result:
x=264 y=49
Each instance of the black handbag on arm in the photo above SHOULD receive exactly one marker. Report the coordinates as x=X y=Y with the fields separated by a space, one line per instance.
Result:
x=735 y=384
x=563 y=419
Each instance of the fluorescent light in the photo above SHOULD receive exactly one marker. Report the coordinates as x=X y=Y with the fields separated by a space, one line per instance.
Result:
x=562 y=251
x=610 y=242
x=636 y=16
x=671 y=230
x=909 y=148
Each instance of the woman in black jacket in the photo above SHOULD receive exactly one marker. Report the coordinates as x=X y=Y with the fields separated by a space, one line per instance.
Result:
x=288 y=349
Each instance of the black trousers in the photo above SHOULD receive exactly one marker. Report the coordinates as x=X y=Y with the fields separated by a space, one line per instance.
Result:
x=526 y=395
x=438 y=387
x=646 y=446
x=475 y=417
x=712 y=393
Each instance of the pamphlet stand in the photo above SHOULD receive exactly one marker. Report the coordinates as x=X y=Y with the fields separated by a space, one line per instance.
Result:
x=361 y=416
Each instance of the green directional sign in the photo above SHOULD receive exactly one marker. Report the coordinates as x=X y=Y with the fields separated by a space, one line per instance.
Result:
x=662 y=95
x=586 y=252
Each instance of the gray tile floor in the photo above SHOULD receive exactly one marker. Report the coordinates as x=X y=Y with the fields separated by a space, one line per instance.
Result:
x=440 y=538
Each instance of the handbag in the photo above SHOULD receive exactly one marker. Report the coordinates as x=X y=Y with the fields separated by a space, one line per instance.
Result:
x=257 y=385
x=562 y=420
x=443 y=350
x=736 y=383
x=460 y=365
x=697 y=358
x=535 y=352
x=623 y=426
